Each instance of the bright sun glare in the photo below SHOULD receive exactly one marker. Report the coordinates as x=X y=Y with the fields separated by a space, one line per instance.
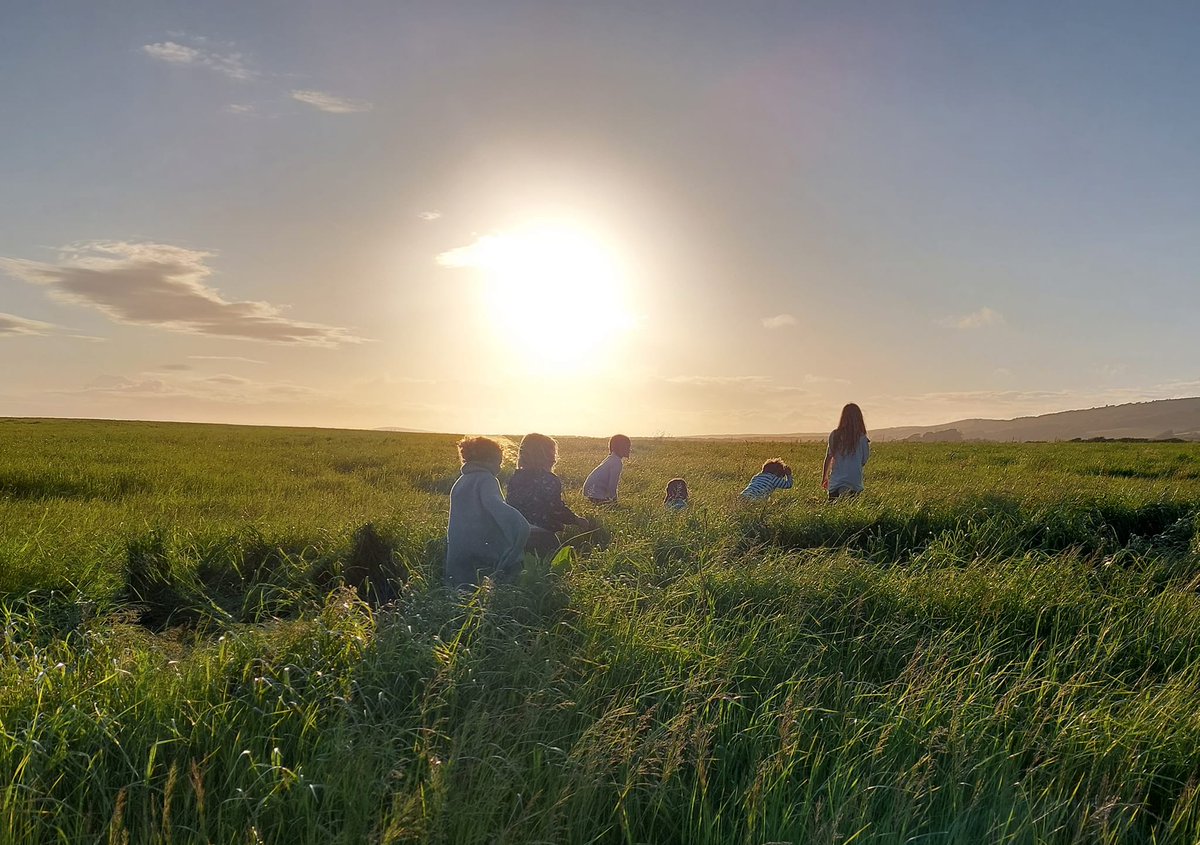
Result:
x=544 y=281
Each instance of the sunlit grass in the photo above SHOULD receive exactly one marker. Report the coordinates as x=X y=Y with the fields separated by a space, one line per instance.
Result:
x=995 y=644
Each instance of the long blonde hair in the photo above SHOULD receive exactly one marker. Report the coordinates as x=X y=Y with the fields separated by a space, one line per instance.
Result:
x=538 y=451
x=849 y=431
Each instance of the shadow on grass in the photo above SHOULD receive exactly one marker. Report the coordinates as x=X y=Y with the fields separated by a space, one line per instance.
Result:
x=26 y=486
x=984 y=525
x=176 y=581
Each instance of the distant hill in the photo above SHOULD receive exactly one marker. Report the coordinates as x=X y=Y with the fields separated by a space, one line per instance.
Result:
x=1160 y=420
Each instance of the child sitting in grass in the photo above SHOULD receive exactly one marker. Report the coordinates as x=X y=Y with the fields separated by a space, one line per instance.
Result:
x=775 y=475
x=536 y=492
x=677 y=494
x=601 y=486
x=486 y=537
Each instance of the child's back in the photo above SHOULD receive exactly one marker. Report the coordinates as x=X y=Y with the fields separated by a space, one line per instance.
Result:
x=537 y=494
x=485 y=537
x=601 y=485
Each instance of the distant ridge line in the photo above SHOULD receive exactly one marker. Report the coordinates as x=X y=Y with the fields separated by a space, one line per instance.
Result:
x=1159 y=419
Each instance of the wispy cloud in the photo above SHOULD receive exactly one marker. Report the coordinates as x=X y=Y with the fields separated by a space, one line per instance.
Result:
x=985 y=316
x=718 y=387
x=13 y=326
x=223 y=388
x=186 y=50
x=323 y=101
x=429 y=215
x=809 y=378
x=708 y=381
x=164 y=286
x=711 y=404
x=778 y=321
x=226 y=358
x=231 y=65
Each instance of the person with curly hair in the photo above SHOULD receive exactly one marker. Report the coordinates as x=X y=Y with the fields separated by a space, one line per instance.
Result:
x=486 y=537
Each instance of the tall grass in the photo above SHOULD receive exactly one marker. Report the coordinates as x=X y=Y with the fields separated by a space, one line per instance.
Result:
x=996 y=643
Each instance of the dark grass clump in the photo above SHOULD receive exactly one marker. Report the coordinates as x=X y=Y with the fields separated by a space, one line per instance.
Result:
x=373 y=568
x=53 y=484
x=162 y=592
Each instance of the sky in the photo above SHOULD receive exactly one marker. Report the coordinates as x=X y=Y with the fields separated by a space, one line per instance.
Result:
x=666 y=218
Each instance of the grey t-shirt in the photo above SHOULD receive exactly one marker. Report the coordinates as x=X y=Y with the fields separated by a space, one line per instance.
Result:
x=847 y=469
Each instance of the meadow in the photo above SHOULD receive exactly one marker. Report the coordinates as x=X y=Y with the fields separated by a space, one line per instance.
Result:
x=202 y=643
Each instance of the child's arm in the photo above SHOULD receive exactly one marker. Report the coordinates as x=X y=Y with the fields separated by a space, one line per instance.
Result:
x=562 y=511
x=513 y=527
x=785 y=483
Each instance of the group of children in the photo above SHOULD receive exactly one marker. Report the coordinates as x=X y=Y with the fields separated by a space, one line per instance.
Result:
x=489 y=533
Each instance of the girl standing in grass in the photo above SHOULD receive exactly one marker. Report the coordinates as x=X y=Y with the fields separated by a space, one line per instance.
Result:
x=848 y=452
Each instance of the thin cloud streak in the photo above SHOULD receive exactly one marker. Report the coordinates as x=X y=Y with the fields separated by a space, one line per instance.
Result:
x=985 y=316
x=231 y=65
x=164 y=286
x=331 y=103
x=223 y=388
x=226 y=358
x=13 y=326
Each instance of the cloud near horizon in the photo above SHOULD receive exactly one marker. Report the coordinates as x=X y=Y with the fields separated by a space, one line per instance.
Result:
x=223 y=388
x=238 y=358
x=331 y=103
x=163 y=286
x=231 y=65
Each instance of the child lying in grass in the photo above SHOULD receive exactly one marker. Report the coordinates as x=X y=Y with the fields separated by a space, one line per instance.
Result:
x=775 y=475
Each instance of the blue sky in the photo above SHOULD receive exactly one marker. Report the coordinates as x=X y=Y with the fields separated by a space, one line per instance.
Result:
x=240 y=212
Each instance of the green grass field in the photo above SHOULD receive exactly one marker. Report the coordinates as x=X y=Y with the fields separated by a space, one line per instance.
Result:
x=998 y=643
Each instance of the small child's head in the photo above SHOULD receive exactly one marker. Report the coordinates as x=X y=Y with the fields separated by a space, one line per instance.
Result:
x=776 y=466
x=676 y=490
x=537 y=452
x=481 y=450
x=619 y=445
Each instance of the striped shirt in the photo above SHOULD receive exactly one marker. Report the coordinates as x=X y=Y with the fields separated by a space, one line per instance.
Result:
x=763 y=484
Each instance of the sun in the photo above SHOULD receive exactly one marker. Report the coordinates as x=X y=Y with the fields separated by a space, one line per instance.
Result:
x=557 y=293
